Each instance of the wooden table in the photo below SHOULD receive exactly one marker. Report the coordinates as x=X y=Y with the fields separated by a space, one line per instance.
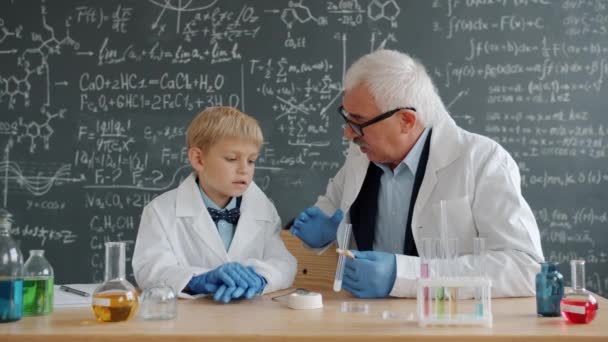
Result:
x=263 y=319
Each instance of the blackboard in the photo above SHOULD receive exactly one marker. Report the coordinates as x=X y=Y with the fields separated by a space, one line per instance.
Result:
x=95 y=97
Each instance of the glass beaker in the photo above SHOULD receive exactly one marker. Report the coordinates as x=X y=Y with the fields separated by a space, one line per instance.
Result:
x=578 y=305
x=11 y=268
x=158 y=302
x=116 y=299
x=37 y=284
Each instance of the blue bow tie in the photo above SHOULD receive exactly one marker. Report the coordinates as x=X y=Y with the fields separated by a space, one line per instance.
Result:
x=231 y=216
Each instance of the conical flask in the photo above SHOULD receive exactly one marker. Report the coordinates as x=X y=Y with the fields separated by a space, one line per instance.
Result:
x=38 y=280
x=116 y=299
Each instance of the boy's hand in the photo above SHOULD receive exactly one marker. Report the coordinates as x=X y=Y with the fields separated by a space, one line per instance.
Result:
x=255 y=285
x=315 y=228
x=209 y=282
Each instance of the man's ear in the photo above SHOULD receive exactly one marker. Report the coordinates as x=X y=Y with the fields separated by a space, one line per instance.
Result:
x=195 y=155
x=407 y=120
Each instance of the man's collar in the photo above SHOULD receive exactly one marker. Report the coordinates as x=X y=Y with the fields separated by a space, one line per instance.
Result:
x=412 y=158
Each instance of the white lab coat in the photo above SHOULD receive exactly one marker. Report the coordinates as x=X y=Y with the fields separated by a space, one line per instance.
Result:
x=177 y=239
x=481 y=185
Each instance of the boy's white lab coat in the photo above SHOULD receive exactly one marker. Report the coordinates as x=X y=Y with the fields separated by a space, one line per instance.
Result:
x=481 y=184
x=177 y=239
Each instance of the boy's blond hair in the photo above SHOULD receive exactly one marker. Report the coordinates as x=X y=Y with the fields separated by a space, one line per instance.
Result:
x=215 y=123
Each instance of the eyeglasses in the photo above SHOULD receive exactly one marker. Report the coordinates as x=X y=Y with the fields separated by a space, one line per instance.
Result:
x=358 y=128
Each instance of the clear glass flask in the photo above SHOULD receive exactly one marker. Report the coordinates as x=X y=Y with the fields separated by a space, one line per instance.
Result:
x=578 y=305
x=116 y=299
x=38 y=279
x=11 y=268
x=549 y=290
x=158 y=302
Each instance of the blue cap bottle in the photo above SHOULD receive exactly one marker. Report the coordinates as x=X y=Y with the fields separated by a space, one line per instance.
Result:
x=549 y=290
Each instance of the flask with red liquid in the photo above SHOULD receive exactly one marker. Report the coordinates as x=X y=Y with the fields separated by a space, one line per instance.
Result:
x=578 y=305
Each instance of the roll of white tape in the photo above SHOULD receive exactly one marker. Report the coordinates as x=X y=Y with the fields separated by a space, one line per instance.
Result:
x=310 y=300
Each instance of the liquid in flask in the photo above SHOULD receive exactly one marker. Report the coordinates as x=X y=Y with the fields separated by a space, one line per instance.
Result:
x=578 y=305
x=38 y=281
x=116 y=299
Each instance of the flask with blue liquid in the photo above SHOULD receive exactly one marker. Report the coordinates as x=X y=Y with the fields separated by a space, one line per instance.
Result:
x=549 y=290
x=11 y=268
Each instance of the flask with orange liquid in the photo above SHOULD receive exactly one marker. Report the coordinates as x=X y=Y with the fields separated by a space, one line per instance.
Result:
x=116 y=299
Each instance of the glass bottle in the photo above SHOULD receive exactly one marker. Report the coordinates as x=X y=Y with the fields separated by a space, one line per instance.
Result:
x=11 y=268
x=578 y=305
x=158 y=302
x=116 y=299
x=38 y=279
x=549 y=290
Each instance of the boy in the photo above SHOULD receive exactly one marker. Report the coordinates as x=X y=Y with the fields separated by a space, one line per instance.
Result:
x=193 y=237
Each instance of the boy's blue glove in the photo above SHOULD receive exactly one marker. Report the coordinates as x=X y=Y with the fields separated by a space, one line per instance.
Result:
x=255 y=285
x=230 y=274
x=315 y=228
x=370 y=274
x=260 y=284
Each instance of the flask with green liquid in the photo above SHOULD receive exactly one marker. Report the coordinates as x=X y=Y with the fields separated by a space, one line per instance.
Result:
x=37 y=285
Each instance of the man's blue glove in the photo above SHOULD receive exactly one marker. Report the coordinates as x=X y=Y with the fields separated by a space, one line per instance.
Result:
x=315 y=228
x=229 y=274
x=370 y=274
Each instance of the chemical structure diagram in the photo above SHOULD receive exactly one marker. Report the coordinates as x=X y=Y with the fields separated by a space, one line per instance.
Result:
x=33 y=61
x=297 y=12
x=43 y=131
x=5 y=32
x=388 y=10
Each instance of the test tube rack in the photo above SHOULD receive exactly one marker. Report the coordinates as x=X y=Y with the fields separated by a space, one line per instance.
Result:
x=438 y=301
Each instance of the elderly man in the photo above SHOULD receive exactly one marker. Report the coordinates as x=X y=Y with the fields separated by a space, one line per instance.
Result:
x=407 y=156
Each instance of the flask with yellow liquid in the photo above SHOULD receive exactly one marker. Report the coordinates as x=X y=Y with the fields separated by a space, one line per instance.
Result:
x=116 y=299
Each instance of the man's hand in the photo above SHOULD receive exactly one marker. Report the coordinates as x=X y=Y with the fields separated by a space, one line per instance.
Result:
x=370 y=274
x=315 y=228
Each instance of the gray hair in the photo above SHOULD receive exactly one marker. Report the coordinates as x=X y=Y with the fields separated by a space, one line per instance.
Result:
x=397 y=80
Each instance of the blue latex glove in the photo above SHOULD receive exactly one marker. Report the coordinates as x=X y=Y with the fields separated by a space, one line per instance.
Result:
x=259 y=285
x=315 y=228
x=370 y=275
x=229 y=274
x=256 y=284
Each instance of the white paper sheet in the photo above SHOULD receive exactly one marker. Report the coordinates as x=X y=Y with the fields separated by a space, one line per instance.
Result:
x=62 y=298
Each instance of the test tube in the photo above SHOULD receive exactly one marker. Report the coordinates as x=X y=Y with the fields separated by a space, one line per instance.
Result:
x=440 y=293
x=344 y=242
x=452 y=293
x=428 y=254
x=479 y=250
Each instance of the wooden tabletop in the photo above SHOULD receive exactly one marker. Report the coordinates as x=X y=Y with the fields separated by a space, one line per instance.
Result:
x=263 y=319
